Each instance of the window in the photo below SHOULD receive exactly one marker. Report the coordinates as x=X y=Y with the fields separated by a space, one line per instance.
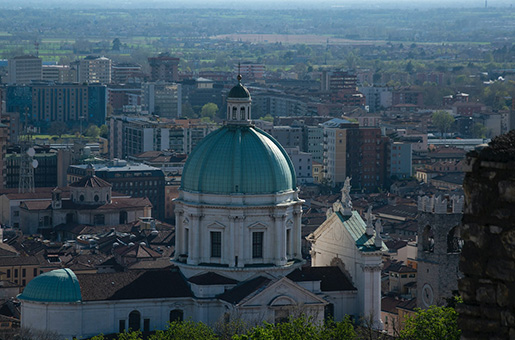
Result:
x=16 y=273
x=176 y=315
x=8 y=273
x=257 y=245
x=23 y=272
x=134 y=320
x=146 y=325
x=123 y=217
x=216 y=244
x=35 y=272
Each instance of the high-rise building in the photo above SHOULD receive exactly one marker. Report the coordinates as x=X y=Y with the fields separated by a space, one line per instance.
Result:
x=356 y=152
x=162 y=99
x=133 y=135
x=250 y=70
x=59 y=73
x=125 y=73
x=164 y=67
x=24 y=69
x=94 y=69
x=71 y=103
x=4 y=134
x=334 y=81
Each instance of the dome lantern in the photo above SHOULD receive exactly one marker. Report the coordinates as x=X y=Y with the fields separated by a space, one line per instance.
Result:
x=238 y=105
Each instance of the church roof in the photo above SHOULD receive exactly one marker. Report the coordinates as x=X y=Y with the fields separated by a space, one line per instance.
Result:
x=238 y=159
x=134 y=284
x=241 y=291
x=239 y=91
x=211 y=279
x=331 y=278
x=91 y=182
x=59 y=285
x=357 y=229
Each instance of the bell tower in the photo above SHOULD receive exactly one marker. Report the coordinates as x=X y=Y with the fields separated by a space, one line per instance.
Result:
x=438 y=249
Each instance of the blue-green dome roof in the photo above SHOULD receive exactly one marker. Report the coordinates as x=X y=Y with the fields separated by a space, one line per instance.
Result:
x=59 y=285
x=239 y=91
x=238 y=159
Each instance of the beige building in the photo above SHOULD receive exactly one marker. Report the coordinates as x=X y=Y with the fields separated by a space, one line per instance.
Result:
x=94 y=70
x=59 y=73
x=24 y=69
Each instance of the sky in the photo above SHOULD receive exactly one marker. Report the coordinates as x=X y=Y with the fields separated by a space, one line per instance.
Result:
x=254 y=4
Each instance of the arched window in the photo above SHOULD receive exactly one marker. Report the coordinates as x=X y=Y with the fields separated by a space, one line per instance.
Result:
x=176 y=315
x=428 y=241
x=123 y=217
x=234 y=112
x=242 y=113
x=454 y=241
x=134 y=320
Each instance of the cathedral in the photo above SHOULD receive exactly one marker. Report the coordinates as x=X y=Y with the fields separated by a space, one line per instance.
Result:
x=237 y=251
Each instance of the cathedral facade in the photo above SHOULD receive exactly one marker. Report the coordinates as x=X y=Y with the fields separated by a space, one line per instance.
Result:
x=237 y=251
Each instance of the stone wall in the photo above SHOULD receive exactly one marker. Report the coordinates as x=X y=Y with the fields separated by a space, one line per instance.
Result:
x=488 y=255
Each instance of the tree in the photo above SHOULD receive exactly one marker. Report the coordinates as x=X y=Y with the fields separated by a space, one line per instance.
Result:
x=116 y=44
x=179 y=330
x=267 y=118
x=434 y=323
x=58 y=128
x=104 y=131
x=209 y=110
x=92 y=131
x=301 y=328
x=442 y=120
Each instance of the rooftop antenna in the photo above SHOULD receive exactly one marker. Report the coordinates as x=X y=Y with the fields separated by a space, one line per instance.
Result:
x=239 y=72
x=486 y=3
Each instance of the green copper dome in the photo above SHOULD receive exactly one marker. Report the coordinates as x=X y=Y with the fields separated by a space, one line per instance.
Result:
x=238 y=159
x=239 y=91
x=59 y=285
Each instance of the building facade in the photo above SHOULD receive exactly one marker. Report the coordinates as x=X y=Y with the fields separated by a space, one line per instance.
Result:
x=24 y=69
x=94 y=70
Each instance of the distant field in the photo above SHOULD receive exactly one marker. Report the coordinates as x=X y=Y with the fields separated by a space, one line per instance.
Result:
x=311 y=39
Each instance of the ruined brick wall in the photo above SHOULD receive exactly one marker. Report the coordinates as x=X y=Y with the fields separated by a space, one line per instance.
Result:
x=488 y=255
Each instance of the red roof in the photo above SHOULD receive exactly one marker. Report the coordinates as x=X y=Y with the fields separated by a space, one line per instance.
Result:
x=91 y=182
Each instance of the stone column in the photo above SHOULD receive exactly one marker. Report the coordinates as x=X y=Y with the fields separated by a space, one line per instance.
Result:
x=195 y=238
x=179 y=234
x=297 y=232
x=280 y=238
x=372 y=295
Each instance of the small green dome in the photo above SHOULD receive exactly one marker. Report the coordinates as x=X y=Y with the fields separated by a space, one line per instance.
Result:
x=59 y=285
x=239 y=91
x=238 y=159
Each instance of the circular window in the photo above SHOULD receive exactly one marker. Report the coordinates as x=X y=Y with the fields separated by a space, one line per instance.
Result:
x=96 y=198
x=81 y=198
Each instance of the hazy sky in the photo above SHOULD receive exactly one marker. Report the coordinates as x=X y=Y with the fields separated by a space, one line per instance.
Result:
x=258 y=4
